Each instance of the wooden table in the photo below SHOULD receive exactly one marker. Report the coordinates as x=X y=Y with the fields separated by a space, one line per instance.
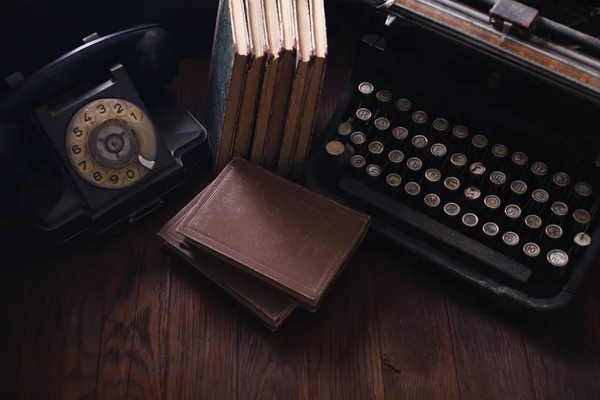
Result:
x=124 y=319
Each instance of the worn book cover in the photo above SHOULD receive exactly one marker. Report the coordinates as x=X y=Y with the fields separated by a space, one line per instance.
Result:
x=277 y=231
x=264 y=302
x=227 y=76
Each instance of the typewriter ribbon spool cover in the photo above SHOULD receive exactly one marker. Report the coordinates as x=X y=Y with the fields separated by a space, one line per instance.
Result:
x=111 y=143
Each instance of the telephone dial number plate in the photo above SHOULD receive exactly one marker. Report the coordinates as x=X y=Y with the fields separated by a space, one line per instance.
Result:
x=111 y=143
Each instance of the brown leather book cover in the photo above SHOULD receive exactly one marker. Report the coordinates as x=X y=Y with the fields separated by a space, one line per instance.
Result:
x=282 y=233
x=264 y=302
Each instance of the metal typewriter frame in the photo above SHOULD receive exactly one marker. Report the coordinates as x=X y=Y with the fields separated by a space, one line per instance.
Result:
x=578 y=74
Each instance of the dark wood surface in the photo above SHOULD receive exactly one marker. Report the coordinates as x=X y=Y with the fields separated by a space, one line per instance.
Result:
x=122 y=319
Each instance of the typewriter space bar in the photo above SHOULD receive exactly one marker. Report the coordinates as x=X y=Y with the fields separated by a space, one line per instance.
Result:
x=436 y=230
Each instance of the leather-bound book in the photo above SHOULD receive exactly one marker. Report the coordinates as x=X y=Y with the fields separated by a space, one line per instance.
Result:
x=275 y=230
x=264 y=302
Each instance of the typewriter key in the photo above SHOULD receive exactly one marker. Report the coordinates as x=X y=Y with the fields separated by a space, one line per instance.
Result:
x=395 y=160
x=518 y=189
x=384 y=98
x=477 y=148
x=450 y=189
x=439 y=127
x=337 y=156
x=413 y=169
x=533 y=222
x=393 y=182
x=457 y=164
x=344 y=130
x=357 y=141
x=419 y=145
x=357 y=163
x=432 y=179
x=470 y=220
x=517 y=165
x=458 y=138
x=531 y=250
x=490 y=208
x=362 y=119
x=451 y=209
x=558 y=210
x=364 y=98
x=375 y=153
x=366 y=89
x=436 y=155
x=536 y=174
x=582 y=239
x=557 y=258
x=498 y=159
x=380 y=129
x=495 y=183
x=419 y=121
x=538 y=202
x=560 y=182
x=399 y=138
x=512 y=213
x=510 y=239
x=581 y=218
x=413 y=189
x=403 y=106
x=490 y=229
x=552 y=235
x=580 y=195
x=373 y=172
x=469 y=201
x=432 y=200
x=476 y=172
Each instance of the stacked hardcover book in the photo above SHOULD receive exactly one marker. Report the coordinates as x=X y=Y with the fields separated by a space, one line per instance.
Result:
x=267 y=70
x=272 y=244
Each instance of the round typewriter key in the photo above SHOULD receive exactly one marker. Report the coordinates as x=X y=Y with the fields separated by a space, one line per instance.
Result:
x=373 y=171
x=478 y=144
x=561 y=180
x=412 y=188
x=457 y=140
x=344 y=130
x=531 y=250
x=413 y=169
x=384 y=97
x=375 y=153
x=583 y=189
x=451 y=189
x=380 y=129
x=581 y=218
x=539 y=200
x=419 y=144
x=395 y=160
x=496 y=182
x=553 y=232
x=490 y=229
x=512 y=213
x=558 y=210
x=440 y=126
x=393 y=181
x=557 y=258
x=432 y=200
x=492 y=202
x=476 y=171
x=432 y=179
x=419 y=119
x=366 y=88
x=364 y=97
x=451 y=209
x=539 y=169
x=403 y=105
x=357 y=141
x=357 y=163
x=436 y=156
x=336 y=158
x=470 y=220
x=399 y=138
x=362 y=119
x=472 y=193
x=533 y=222
x=582 y=239
x=499 y=156
x=517 y=165
x=510 y=239
x=334 y=148
x=457 y=163
x=469 y=201
x=518 y=190
x=581 y=194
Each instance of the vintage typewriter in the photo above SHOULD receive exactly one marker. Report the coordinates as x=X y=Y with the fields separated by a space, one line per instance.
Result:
x=470 y=135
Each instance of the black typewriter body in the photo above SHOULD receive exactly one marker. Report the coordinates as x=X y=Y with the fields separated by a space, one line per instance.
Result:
x=487 y=169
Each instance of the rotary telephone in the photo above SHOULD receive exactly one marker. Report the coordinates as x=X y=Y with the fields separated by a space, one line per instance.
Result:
x=93 y=141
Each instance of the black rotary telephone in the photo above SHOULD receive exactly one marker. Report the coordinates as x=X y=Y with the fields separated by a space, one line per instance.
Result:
x=93 y=141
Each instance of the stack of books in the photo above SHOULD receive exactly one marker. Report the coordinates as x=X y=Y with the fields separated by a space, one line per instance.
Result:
x=267 y=69
x=272 y=244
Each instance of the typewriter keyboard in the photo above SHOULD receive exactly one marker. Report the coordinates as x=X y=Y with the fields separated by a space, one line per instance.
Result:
x=507 y=209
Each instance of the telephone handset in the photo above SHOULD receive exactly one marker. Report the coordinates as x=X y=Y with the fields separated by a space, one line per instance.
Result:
x=114 y=140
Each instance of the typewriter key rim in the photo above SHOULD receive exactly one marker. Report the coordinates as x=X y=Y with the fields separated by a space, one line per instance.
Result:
x=540 y=196
x=561 y=179
x=419 y=117
x=451 y=209
x=432 y=200
x=470 y=220
x=511 y=239
x=335 y=148
x=458 y=160
x=460 y=131
x=582 y=239
x=472 y=192
x=491 y=206
x=357 y=161
x=419 y=141
x=527 y=247
x=363 y=114
x=477 y=169
x=366 y=88
x=512 y=211
x=518 y=187
x=581 y=216
x=396 y=159
x=384 y=96
x=344 y=129
x=433 y=175
x=533 y=225
x=376 y=147
x=519 y=158
x=382 y=124
x=414 y=164
x=583 y=189
x=559 y=209
x=553 y=231
x=557 y=258
x=440 y=125
x=490 y=229
x=356 y=134
x=393 y=179
x=452 y=187
x=373 y=170
x=412 y=188
x=499 y=154
x=438 y=150
x=479 y=141
x=400 y=136
x=403 y=105
x=539 y=169
x=498 y=178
